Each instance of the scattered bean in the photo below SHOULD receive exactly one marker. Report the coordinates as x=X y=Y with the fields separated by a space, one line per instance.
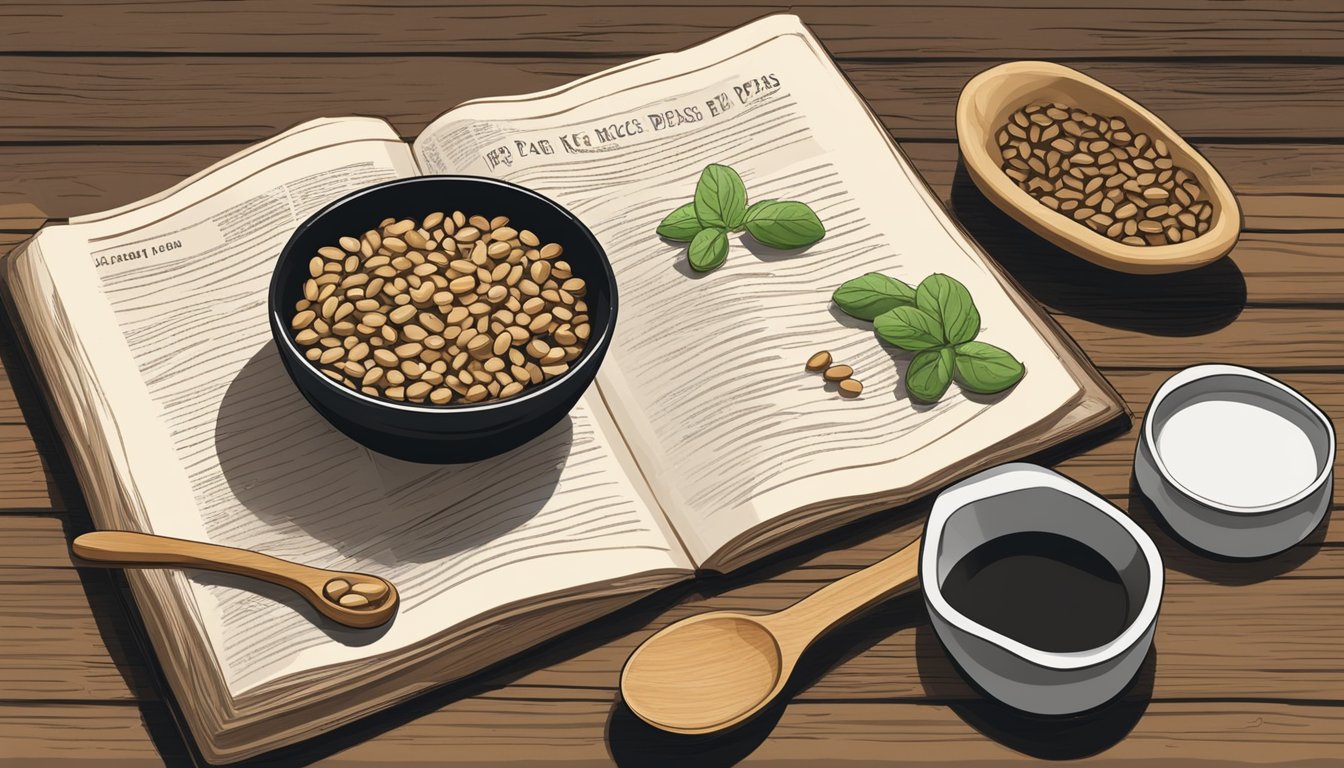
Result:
x=837 y=373
x=850 y=387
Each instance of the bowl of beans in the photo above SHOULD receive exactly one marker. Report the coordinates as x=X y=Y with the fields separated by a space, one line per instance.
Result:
x=1092 y=171
x=442 y=319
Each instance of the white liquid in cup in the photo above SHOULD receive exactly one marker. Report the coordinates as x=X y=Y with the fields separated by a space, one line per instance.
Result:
x=1250 y=451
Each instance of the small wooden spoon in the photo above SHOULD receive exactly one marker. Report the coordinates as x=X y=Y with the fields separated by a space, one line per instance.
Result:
x=714 y=671
x=353 y=599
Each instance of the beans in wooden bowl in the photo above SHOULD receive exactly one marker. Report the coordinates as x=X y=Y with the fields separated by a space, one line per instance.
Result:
x=1103 y=174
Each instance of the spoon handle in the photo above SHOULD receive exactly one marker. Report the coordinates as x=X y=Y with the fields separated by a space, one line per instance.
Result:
x=128 y=548
x=796 y=626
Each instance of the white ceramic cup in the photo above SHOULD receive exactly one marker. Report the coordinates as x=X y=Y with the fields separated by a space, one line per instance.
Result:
x=1017 y=498
x=1237 y=463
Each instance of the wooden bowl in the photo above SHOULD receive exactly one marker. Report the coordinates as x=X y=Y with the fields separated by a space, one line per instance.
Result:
x=989 y=100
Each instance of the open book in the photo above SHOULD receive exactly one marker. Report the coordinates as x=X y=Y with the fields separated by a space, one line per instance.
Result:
x=703 y=444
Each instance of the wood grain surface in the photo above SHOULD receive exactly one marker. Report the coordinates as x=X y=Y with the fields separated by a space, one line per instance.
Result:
x=105 y=103
x=583 y=28
x=229 y=98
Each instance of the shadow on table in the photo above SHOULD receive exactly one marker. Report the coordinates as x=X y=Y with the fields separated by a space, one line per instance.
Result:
x=1177 y=304
x=1045 y=738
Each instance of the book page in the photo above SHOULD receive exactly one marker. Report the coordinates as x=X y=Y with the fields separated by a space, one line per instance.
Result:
x=169 y=300
x=705 y=377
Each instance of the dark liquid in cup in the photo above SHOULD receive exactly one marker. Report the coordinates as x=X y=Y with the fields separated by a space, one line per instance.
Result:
x=1044 y=590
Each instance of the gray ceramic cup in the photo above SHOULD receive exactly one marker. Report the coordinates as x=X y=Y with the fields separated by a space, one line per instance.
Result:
x=1017 y=498
x=1237 y=463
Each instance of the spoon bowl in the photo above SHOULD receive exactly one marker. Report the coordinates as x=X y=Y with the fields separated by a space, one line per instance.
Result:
x=714 y=671
x=738 y=653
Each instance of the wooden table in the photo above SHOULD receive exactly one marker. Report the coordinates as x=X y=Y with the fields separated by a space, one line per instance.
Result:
x=104 y=104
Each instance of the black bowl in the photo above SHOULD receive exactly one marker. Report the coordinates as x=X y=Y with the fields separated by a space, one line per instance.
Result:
x=444 y=434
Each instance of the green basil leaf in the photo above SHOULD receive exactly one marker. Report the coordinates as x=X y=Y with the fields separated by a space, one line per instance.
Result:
x=948 y=300
x=720 y=198
x=929 y=374
x=784 y=224
x=986 y=369
x=680 y=225
x=872 y=294
x=909 y=328
x=708 y=249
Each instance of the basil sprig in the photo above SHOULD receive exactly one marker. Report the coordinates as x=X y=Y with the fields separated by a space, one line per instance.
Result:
x=720 y=206
x=938 y=321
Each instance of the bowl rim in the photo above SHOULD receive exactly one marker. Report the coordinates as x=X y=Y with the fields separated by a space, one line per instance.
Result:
x=1082 y=241
x=1020 y=476
x=1192 y=376
x=279 y=327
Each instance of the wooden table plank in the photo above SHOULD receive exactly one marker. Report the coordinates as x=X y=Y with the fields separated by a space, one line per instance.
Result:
x=63 y=638
x=20 y=215
x=876 y=28
x=833 y=733
x=10 y=411
x=28 y=480
x=806 y=733
x=1267 y=338
x=63 y=632
x=78 y=734
x=152 y=99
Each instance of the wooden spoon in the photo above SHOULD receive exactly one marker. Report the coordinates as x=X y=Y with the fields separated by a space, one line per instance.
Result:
x=714 y=671
x=353 y=599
